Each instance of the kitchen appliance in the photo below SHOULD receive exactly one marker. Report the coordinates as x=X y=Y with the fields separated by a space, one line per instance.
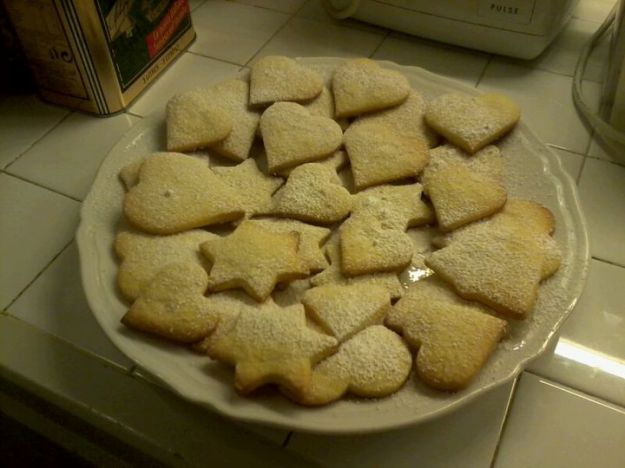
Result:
x=608 y=124
x=519 y=28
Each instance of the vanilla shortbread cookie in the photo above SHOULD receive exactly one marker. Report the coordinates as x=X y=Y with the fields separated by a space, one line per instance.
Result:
x=494 y=267
x=322 y=105
x=472 y=122
x=461 y=196
x=526 y=220
x=292 y=136
x=379 y=155
x=374 y=363
x=194 y=120
x=144 y=255
x=333 y=274
x=277 y=78
x=313 y=192
x=344 y=310
x=129 y=174
x=311 y=238
x=272 y=346
x=336 y=162
x=368 y=246
x=173 y=305
x=226 y=306
x=487 y=162
x=405 y=119
x=430 y=289
x=396 y=206
x=453 y=341
x=232 y=96
x=361 y=86
x=176 y=192
x=255 y=259
x=253 y=187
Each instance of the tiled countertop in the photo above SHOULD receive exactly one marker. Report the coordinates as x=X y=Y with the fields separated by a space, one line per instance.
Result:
x=61 y=376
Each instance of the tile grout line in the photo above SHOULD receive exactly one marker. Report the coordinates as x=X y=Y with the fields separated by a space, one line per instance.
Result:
x=198 y=54
x=50 y=130
x=82 y=351
x=46 y=266
x=290 y=18
x=571 y=389
x=597 y=158
x=581 y=170
x=286 y=440
x=37 y=184
x=481 y=77
x=386 y=34
x=609 y=262
x=504 y=423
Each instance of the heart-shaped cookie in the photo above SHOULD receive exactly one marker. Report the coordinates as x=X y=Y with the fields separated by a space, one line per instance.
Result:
x=488 y=162
x=313 y=192
x=144 y=255
x=194 y=120
x=277 y=78
x=334 y=275
x=453 y=341
x=232 y=95
x=344 y=310
x=368 y=246
x=173 y=305
x=178 y=192
x=497 y=268
x=472 y=122
x=373 y=363
x=292 y=136
x=379 y=155
x=361 y=85
x=395 y=206
x=461 y=196
x=406 y=119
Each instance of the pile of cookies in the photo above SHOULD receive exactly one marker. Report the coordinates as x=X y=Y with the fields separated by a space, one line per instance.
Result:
x=272 y=232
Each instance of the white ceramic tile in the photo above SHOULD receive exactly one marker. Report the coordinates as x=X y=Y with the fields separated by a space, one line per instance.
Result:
x=590 y=352
x=23 y=120
x=233 y=32
x=546 y=102
x=68 y=157
x=155 y=421
x=273 y=435
x=56 y=303
x=561 y=56
x=600 y=149
x=593 y=10
x=453 y=62
x=189 y=71
x=302 y=37
x=572 y=162
x=553 y=426
x=286 y=6
x=602 y=191
x=35 y=225
x=467 y=437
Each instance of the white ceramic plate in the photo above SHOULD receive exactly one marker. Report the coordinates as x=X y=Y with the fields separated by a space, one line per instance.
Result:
x=532 y=171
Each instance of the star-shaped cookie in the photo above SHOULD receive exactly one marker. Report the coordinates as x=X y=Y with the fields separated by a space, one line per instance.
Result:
x=255 y=259
x=272 y=346
x=254 y=188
